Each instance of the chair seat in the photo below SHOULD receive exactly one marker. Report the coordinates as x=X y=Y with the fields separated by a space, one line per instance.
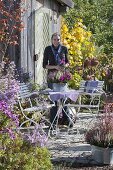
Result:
x=38 y=108
x=92 y=94
x=81 y=105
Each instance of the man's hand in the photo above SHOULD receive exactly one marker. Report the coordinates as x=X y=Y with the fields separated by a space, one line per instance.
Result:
x=59 y=68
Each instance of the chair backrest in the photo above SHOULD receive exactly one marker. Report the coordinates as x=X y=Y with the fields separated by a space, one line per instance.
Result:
x=24 y=96
x=100 y=85
x=82 y=85
x=91 y=86
x=25 y=93
x=24 y=90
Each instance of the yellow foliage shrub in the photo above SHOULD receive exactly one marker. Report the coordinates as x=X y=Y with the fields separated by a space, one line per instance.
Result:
x=80 y=45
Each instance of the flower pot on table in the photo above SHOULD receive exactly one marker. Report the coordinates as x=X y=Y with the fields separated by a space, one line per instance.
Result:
x=60 y=87
x=102 y=155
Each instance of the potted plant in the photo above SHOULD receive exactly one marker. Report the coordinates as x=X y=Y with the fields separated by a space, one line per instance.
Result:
x=59 y=79
x=100 y=136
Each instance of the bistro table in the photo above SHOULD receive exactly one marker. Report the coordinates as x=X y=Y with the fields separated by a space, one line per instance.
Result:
x=61 y=98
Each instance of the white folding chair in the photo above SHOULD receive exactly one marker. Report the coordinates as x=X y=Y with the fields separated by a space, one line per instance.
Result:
x=80 y=109
x=91 y=93
x=35 y=113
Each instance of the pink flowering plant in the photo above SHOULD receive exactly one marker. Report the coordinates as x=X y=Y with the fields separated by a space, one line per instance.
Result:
x=59 y=76
x=18 y=151
x=101 y=133
x=8 y=92
x=37 y=137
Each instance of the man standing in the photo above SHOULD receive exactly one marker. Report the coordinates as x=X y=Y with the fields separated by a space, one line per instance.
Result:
x=53 y=56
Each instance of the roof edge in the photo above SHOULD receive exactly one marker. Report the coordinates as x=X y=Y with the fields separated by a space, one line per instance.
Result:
x=68 y=3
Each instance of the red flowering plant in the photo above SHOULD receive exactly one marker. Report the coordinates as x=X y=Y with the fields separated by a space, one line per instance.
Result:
x=90 y=67
x=101 y=133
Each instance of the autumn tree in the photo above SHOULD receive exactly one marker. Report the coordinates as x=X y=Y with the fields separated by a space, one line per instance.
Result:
x=10 y=24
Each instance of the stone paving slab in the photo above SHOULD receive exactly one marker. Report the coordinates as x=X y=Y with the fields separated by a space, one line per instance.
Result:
x=69 y=146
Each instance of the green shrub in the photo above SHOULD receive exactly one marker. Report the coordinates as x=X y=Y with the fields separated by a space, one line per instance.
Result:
x=19 y=154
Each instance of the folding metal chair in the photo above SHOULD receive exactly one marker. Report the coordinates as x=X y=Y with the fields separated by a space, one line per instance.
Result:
x=33 y=107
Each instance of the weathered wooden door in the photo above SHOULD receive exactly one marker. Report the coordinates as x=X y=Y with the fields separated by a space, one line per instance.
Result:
x=42 y=39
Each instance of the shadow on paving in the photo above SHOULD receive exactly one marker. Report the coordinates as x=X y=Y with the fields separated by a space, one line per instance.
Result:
x=80 y=166
x=70 y=151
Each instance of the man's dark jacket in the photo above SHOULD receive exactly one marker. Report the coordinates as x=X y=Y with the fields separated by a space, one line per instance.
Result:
x=49 y=58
